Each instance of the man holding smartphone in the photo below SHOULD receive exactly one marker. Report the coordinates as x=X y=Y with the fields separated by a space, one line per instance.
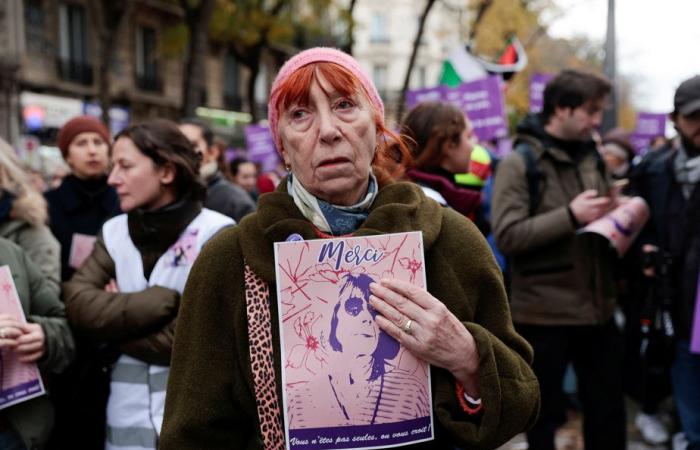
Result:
x=562 y=294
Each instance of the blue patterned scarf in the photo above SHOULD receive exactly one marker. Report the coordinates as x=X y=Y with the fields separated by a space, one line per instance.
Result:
x=333 y=219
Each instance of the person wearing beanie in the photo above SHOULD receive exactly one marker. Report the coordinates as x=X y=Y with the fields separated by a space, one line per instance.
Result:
x=78 y=208
x=83 y=201
x=226 y=388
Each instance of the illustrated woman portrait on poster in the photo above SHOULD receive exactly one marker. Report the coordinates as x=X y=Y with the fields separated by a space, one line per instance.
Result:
x=367 y=390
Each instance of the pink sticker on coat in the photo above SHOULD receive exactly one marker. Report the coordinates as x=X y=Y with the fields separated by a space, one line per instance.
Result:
x=184 y=251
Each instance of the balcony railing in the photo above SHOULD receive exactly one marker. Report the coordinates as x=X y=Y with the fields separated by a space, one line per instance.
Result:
x=76 y=71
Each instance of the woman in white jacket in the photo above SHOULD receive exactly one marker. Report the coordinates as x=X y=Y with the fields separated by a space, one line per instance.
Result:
x=126 y=295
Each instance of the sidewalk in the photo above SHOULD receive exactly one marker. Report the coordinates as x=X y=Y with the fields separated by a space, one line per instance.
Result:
x=569 y=436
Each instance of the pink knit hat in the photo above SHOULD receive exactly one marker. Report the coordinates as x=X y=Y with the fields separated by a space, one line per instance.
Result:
x=310 y=56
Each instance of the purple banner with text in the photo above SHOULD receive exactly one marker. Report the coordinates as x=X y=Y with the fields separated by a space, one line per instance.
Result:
x=261 y=147
x=649 y=126
x=538 y=82
x=481 y=100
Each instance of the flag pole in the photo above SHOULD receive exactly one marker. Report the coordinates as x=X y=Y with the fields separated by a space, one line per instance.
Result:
x=610 y=70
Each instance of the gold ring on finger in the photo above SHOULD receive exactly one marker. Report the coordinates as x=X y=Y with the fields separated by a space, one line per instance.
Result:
x=407 y=326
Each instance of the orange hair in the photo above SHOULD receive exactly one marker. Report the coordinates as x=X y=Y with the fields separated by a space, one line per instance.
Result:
x=392 y=156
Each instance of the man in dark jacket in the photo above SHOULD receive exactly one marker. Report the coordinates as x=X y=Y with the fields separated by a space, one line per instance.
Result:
x=562 y=293
x=668 y=180
x=222 y=195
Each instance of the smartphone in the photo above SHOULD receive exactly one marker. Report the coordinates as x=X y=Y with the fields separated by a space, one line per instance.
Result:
x=618 y=186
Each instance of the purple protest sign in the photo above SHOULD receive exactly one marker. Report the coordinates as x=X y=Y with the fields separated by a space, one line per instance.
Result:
x=261 y=147
x=415 y=96
x=695 y=332
x=649 y=126
x=482 y=101
x=538 y=82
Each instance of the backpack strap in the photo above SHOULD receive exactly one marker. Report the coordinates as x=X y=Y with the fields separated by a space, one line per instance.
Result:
x=257 y=297
x=533 y=174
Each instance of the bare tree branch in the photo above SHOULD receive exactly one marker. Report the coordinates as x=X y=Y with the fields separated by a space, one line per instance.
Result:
x=481 y=10
x=416 y=45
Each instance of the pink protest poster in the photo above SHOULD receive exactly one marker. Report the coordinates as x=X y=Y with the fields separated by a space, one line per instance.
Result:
x=80 y=248
x=346 y=383
x=18 y=381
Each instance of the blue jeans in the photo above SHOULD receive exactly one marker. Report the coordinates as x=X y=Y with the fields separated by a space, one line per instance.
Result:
x=685 y=374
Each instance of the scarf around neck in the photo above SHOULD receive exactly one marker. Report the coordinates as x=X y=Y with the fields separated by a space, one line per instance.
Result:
x=687 y=170
x=328 y=218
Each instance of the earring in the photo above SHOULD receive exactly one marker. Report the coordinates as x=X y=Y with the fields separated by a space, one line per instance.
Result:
x=288 y=167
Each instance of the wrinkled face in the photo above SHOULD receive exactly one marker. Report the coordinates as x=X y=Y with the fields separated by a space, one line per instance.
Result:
x=88 y=155
x=689 y=127
x=357 y=331
x=138 y=181
x=247 y=176
x=578 y=124
x=330 y=143
x=195 y=135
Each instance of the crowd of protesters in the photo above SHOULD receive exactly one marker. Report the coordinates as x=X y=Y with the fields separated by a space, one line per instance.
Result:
x=102 y=267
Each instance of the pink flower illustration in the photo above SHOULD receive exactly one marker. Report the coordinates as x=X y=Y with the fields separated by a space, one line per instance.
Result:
x=411 y=264
x=309 y=354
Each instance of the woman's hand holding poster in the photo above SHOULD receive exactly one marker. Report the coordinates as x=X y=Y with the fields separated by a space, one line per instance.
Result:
x=346 y=383
x=19 y=381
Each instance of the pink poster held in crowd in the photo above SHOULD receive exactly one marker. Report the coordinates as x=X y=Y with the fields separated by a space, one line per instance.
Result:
x=80 y=248
x=18 y=381
x=347 y=384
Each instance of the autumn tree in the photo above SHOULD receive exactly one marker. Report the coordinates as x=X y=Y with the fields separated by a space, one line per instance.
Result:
x=414 y=53
x=280 y=28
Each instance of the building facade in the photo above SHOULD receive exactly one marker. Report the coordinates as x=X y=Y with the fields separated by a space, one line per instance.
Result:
x=384 y=36
x=50 y=58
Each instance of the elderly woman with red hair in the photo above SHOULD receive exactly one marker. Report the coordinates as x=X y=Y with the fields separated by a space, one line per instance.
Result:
x=327 y=120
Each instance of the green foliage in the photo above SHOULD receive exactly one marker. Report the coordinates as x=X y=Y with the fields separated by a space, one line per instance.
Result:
x=247 y=23
x=174 y=40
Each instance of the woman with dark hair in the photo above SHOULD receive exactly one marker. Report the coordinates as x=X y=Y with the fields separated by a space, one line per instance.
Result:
x=126 y=295
x=441 y=139
x=226 y=389
x=244 y=173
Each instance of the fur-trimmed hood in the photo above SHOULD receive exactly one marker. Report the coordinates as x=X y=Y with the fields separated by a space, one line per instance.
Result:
x=30 y=207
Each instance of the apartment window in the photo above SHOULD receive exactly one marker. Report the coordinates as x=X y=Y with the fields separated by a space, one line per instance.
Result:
x=379 y=76
x=379 y=29
x=72 y=61
x=34 y=27
x=146 y=60
x=232 y=80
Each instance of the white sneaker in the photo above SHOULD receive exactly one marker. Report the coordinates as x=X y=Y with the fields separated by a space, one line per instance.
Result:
x=679 y=442
x=652 y=429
